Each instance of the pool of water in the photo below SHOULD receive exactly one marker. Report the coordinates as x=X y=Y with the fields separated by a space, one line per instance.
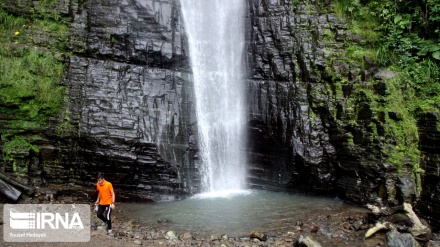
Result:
x=235 y=214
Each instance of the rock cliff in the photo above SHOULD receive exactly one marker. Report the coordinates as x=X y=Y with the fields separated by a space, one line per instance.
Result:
x=129 y=107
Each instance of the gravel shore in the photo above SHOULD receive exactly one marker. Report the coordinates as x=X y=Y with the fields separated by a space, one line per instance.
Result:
x=338 y=228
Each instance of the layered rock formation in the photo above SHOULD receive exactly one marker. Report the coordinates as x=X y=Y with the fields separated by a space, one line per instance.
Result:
x=293 y=101
x=132 y=96
x=311 y=127
x=129 y=110
x=129 y=107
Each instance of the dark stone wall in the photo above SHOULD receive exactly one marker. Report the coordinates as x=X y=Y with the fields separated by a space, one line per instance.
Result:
x=310 y=130
x=430 y=146
x=129 y=107
x=131 y=97
x=285 y=142
x=130 y=112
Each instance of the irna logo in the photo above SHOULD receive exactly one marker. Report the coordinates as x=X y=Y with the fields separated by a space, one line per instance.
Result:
x=31 y=220
x=46 y=222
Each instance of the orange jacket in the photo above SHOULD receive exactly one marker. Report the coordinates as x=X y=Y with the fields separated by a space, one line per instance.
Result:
x=105 y=193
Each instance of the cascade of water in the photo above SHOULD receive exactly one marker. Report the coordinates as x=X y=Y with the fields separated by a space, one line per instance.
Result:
x=215 y=30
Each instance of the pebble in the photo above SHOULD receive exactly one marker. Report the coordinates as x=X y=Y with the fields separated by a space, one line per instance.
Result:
x=171 y=235
x=279 y=242
x=186 y=235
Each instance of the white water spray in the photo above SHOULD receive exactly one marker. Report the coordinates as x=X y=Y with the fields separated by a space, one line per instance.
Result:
x=215 y=29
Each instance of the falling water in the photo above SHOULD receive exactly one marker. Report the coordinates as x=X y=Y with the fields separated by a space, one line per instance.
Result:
x=216 y=44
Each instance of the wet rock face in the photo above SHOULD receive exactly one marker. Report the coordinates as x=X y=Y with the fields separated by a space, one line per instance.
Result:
x=283 y=53
x=130 y=106
x=134 y=122
x=281 y=131
x=302 y=135
x=132 y=98
x=135 y=32
x=430 y=146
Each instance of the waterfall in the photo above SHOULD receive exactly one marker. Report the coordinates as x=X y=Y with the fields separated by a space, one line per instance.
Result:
x=215 y=31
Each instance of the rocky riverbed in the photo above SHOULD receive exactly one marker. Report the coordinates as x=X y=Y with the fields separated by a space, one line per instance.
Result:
x=337 y=228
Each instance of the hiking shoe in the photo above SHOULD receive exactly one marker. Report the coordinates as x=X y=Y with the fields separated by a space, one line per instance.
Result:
x=110 y=231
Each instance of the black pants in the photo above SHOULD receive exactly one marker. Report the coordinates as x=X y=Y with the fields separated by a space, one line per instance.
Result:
x=104 y=213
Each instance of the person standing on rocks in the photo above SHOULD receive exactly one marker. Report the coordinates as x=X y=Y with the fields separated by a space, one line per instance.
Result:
x=105 y=201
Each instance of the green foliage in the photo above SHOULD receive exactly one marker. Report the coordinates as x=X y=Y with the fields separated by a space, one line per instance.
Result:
x=405 y=36
x=385 y=56
x=45 y=9
x=348 y=8
x=405 y=132
x=373 y=129
x=361 y=23
x=31 y=73
x=30 y=77
x=40 y=30
x=358 y=53
x=31 y=81
x=18 y=147
x=10 y=22
x=64 y=128
x=424 y=78
x=409 y=28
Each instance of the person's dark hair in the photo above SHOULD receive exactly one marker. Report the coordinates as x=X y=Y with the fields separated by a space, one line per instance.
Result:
x=100 y=175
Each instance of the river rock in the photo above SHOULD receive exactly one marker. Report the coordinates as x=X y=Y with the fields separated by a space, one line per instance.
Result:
x=258 y=235
x=396 y=239
x=171 y=235
x=385 y=75
x=307 y=241
x=186 y=236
